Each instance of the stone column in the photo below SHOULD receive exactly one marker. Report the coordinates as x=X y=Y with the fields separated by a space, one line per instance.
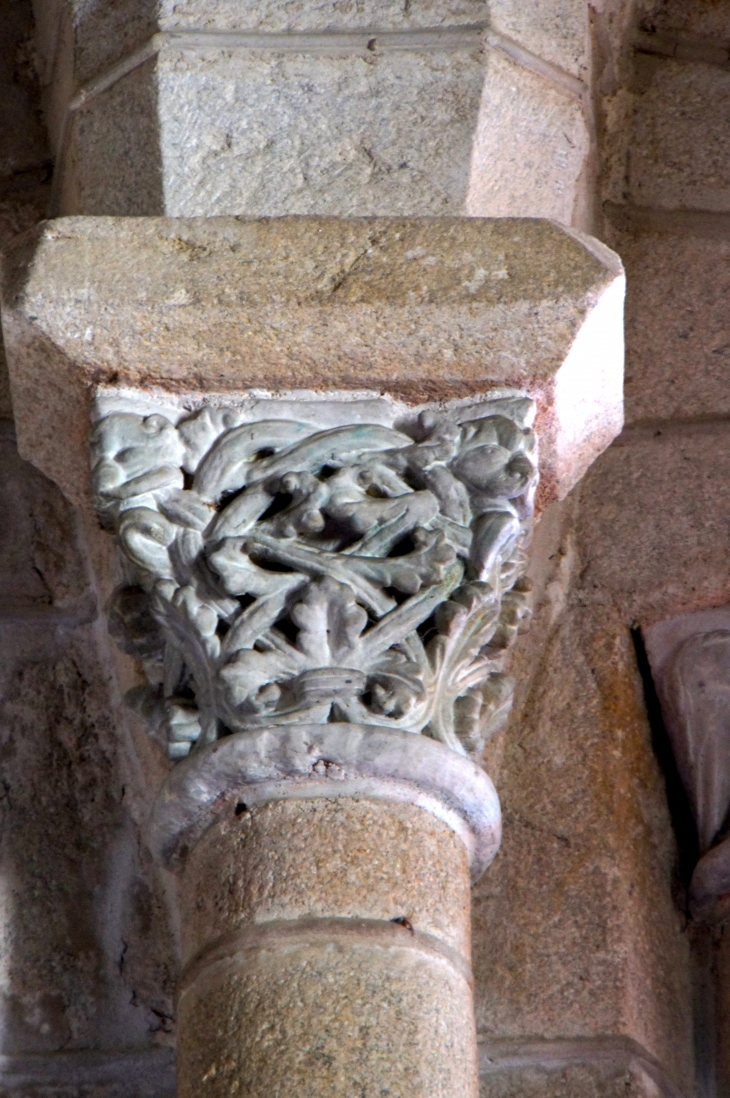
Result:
x=326 y=912
x=316 y=445
x=325 y=601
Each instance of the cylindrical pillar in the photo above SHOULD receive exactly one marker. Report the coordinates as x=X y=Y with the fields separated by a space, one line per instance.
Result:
x=326 y=914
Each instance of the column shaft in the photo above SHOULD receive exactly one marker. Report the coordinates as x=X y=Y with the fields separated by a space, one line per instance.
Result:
x=327 y=952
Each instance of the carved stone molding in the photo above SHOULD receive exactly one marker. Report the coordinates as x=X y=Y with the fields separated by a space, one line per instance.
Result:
x=320 y=561
x=302 y=761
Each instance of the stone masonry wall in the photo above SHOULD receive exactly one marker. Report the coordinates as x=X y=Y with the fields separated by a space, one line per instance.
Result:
x=582 y=928
x=87 y=948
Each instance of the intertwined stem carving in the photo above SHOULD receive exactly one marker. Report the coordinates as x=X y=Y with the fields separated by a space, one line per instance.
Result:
x=285 y=570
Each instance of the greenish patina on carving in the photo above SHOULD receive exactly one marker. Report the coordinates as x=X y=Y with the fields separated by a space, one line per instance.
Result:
x=283 y=573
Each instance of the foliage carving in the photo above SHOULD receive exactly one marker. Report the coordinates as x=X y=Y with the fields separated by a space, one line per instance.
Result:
x=283 y=571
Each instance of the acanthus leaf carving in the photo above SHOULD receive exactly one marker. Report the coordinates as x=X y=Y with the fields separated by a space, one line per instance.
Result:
x=282 y=571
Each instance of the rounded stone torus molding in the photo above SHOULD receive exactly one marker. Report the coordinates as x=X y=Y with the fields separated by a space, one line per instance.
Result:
x=325 y=887
x=325 y=760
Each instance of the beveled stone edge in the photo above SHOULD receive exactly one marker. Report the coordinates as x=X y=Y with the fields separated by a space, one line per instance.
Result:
x=278 y=935
x=38 y=357
x=324 y=760
x=497 y=1055
x=133 y=1073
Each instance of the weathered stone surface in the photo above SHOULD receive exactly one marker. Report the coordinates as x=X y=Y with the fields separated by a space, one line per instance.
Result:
x=367 y=14
x=41 y=565
x=557 y=31
x=575 y=932
x=24 y=167
x=259 y=133
x=536 y=171
x=23 y=147
x=654 y=521
x=345 y=858
x=87 y=958
x=420 y=310
x=328 y=1020
x=90 y=1073
x=702 y=18
x=103 y=34
x=120 y=127
x=679 y=137
x=81 y=914
x=678 y=332
x=575 y=1081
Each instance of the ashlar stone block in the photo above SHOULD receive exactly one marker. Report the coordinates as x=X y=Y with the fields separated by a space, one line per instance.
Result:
x=555 y=30
x=536 y=169
x=575 y=932
x=702 y=19
x=208 y=132
x=680 y=136
x=263 y=109
x=678 y=330
x=654 y=523
x=584 y=1080
x=100 y=35
x=297 y=15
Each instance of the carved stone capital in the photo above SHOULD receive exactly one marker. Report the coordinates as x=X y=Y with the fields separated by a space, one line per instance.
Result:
x=320 y=561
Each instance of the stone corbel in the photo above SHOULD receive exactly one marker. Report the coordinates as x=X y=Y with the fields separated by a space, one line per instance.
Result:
x=316 y=444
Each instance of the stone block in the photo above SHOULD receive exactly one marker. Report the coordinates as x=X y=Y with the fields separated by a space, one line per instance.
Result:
x=99 y=36
x=572 y=1081
x=41 y=562
x=87 y=958
x=113 y=161
x=702 y=18
x=680 y=135
x=104 y=35
x=328 y=1019
x=555 y=30
x=113 y=1073
x=575 y=934
x=207 y=132
x=297 y=15
x=654 y=521
x=418 y=310
x=530 y=146
x=678 y=330
x=340 y=858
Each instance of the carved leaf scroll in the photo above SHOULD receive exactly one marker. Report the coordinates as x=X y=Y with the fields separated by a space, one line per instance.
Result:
x=280 y=572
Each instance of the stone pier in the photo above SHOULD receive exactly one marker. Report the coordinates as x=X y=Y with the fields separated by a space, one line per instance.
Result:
x=319 y=446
